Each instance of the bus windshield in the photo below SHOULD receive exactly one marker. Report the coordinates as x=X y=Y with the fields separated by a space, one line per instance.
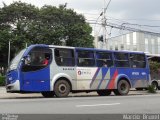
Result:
x=16 y=59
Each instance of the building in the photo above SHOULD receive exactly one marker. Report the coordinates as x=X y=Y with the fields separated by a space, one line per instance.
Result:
x=136 y=41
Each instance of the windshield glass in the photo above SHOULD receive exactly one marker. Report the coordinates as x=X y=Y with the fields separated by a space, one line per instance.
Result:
x=16 y=59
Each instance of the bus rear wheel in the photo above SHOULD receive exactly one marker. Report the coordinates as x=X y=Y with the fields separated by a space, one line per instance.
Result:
x=104 y=92
x=123 y=88
x=48 y=94
x=62 y=88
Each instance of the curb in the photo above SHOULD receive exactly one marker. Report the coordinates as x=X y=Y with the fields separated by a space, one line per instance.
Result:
x=5 y=95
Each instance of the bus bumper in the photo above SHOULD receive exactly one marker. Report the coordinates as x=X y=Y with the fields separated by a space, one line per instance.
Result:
x=13 y=87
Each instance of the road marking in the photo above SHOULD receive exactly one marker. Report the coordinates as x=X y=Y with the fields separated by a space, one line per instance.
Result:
x=94 y=105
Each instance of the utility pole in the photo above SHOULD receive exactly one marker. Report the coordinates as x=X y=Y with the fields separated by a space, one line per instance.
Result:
x=104 y=27
x=9 y=49
x=105 y=42
x=26 y=45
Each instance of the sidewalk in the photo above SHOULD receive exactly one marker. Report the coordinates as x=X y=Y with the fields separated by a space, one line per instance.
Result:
x=5 y=95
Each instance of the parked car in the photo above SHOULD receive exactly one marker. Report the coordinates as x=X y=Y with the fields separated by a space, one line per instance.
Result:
x=155 y=83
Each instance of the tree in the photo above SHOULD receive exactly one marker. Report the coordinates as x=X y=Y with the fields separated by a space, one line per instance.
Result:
x=65 y=24
x=23 y=23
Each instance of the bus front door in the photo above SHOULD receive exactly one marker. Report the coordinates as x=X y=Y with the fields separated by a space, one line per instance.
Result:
x=36 y=73
x=36 y=81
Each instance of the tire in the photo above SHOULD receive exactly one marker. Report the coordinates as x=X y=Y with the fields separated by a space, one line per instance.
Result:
x=139 y=89
x=155 y=85
x=123 y=88
x=62 y=88
x=103 y=92
x=48 y=94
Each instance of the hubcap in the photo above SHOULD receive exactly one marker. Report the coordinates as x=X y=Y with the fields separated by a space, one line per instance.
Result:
x=62 y=88
x=123 y=87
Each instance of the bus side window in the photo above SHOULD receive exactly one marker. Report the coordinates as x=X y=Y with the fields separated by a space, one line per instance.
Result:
x=85 y=58
x=121 y=59
x=104 y=59
x=137 y=60
x=64 y=57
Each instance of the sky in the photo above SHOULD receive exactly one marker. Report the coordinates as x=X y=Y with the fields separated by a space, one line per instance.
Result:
x=141 y=12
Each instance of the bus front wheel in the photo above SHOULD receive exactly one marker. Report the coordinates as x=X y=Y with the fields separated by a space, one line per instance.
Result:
x=62 y=88
x=48 y=94
x=103 y=92
x=123 y=88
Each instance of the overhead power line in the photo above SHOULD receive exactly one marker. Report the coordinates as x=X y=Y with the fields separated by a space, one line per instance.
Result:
x=136 y=19
x=139 y=25
x=122 y=27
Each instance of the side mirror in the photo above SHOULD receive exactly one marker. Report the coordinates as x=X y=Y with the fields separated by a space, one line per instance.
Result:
x=27 y=60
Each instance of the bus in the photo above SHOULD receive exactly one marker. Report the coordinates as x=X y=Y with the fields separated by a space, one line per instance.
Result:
x=75 y=69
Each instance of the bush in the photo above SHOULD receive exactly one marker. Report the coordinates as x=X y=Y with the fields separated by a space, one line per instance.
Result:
x=151 y=89
x=2 y=81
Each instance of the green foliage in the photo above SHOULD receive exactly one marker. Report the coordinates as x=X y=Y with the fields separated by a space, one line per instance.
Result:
x=154 y=66
x=2 y=81
x=151 y=89
x=23 y=23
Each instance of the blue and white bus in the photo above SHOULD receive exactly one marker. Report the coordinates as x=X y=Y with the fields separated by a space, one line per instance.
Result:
x=74 y=69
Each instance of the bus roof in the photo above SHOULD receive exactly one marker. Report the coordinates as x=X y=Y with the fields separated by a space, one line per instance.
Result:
x=83 y=48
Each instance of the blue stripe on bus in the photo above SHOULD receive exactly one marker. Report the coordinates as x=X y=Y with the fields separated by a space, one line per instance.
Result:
x=104 y=72
x=94 y=77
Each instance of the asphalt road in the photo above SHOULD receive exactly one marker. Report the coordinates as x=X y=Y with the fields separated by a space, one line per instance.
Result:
x=83 y=105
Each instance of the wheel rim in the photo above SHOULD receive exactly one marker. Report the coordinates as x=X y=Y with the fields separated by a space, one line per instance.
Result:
x=62 y=88
x=123 y=87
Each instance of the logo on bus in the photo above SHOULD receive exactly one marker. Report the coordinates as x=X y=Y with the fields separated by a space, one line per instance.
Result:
x=135 y=73
x=143 y=73
x=84 y=72
x=79 y=73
